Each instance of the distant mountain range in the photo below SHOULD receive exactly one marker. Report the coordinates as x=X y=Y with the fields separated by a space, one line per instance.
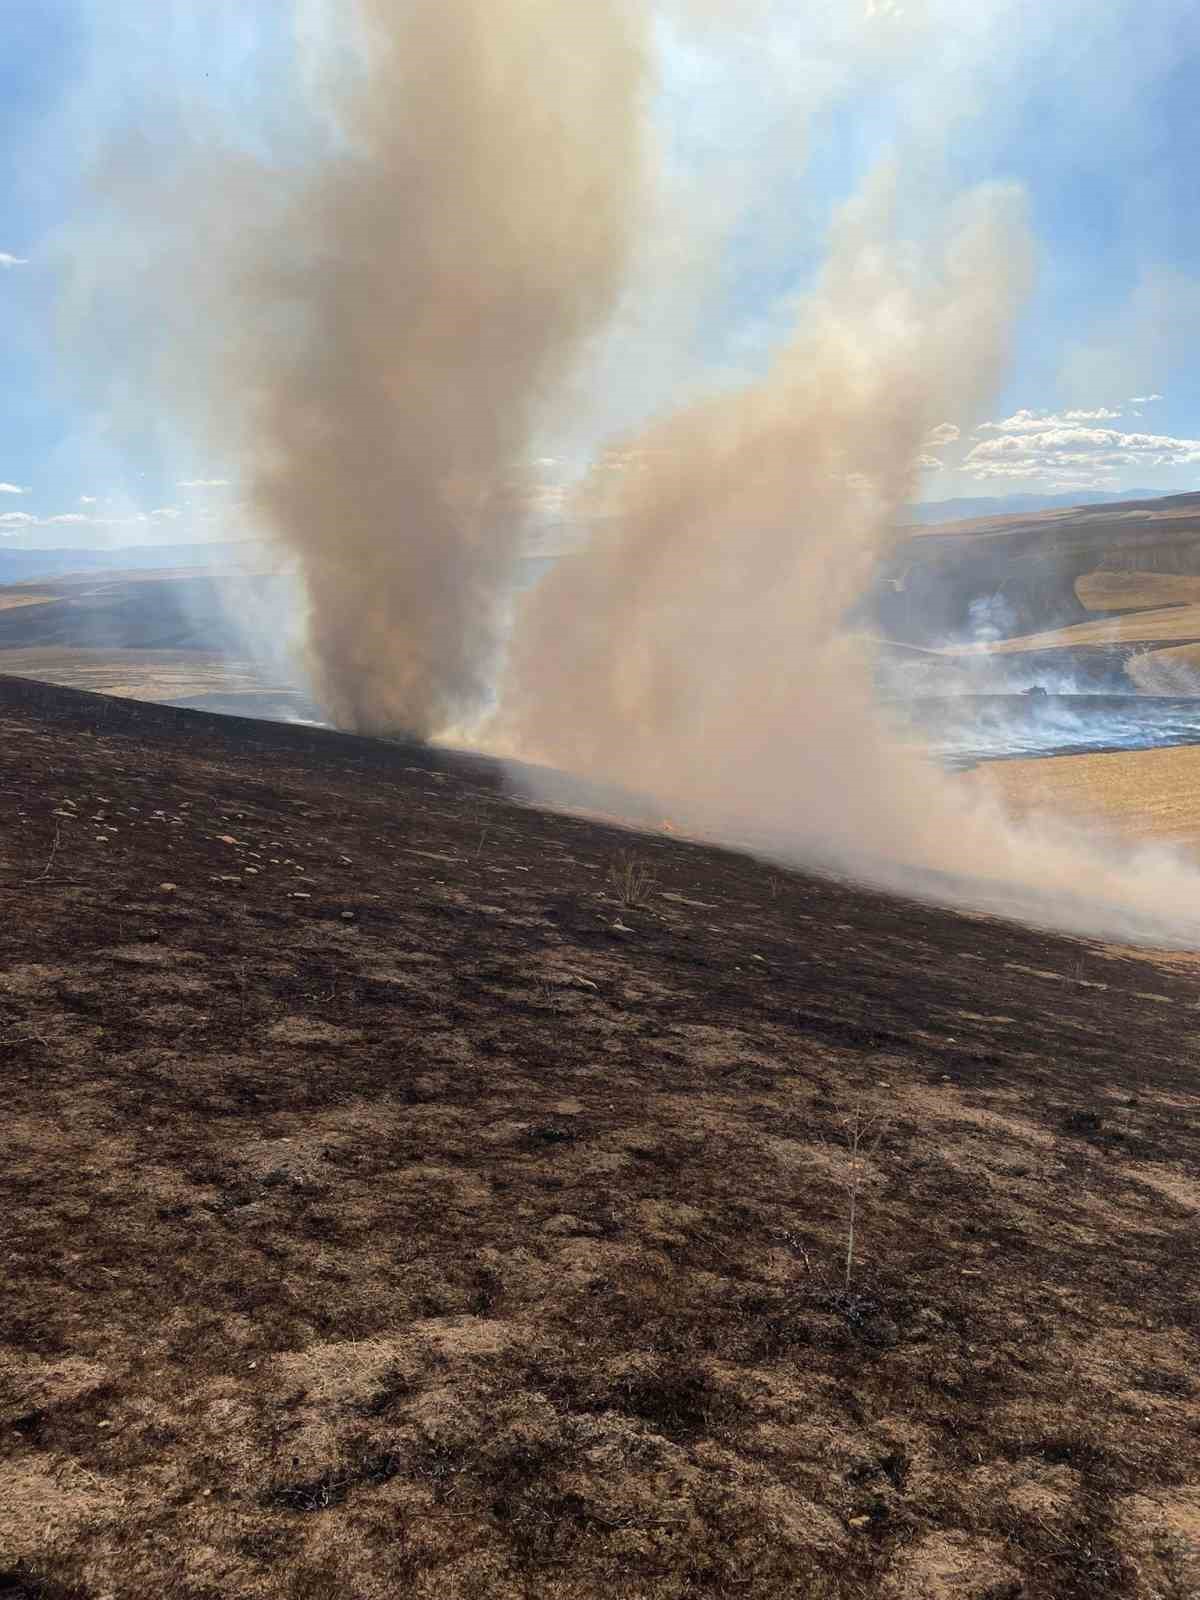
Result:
x=26 y=566
x=1007 y=505
x=232 y=560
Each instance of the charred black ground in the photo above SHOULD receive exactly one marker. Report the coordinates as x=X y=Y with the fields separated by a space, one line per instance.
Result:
x=408 y=1191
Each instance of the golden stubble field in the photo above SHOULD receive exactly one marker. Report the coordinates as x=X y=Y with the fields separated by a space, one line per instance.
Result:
x=1136 y=794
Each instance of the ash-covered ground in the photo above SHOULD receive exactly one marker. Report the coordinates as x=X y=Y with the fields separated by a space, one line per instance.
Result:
x=410 y=1191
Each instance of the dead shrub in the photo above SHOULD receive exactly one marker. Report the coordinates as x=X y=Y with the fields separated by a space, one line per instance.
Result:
x=631 y=878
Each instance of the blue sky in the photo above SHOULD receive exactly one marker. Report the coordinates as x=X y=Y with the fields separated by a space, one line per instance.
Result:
x=1091 y=108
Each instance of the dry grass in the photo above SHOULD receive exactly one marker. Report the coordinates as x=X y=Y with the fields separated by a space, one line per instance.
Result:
x=860 y=1131
x=472 y=1249
x=1132 y=591
x=1165 y=624
x=1174 y=671
x=632 y=878
x=1139 y=794
x=141 y=674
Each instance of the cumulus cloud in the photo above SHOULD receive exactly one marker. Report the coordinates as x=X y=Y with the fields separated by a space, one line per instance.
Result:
x=1028 y=445
x=930 y=463
x=1144 y=399
x=12 y=521
x=944 y=433
x=1038 y=421
x=7 y=260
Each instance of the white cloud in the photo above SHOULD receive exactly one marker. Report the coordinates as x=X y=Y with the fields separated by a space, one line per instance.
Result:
x=87 y=499
x=929 y=463
x=1088 y=442
x=12 y=261
x=1057 y=447
x=944 y=433
x=1144 y=399
x=12 y=521
x=1039 y=421
x=1019 y=422
x=12 y=488
x=203 y=483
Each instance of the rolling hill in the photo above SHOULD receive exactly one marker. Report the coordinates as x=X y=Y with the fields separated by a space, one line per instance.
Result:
x=24 y=565
x=408 y=1191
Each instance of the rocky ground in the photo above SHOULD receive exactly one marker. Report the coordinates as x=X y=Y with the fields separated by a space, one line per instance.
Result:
x=410 y=1192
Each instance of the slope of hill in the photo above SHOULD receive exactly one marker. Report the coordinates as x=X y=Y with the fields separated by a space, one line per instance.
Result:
x=411 y=1192
x=1142 y=794
x=210 y=636
x=136 y=611
x=1019 y=574
x=927 y=512
x=23 y=566
x=1163 y=624
x=214 y=638
x=1136 y=591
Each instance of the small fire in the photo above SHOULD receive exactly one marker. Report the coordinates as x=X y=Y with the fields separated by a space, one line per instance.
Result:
x=668 y=826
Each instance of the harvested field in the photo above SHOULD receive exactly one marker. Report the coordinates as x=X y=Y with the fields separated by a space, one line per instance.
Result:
x=164 y=675
x=1173 y=671
x=1132 y=591
x=391 y=1208
x=191 y=610
x=1139 y=794
x=1161 y=626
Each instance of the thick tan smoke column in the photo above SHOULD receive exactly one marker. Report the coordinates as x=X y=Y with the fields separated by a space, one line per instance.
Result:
x=696 y=650
x=404 y=324
x=396 y=329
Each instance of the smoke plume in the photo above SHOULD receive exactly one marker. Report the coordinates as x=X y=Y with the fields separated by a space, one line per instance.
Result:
x=390 y=326
x=409 y=315
x=697 y=649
